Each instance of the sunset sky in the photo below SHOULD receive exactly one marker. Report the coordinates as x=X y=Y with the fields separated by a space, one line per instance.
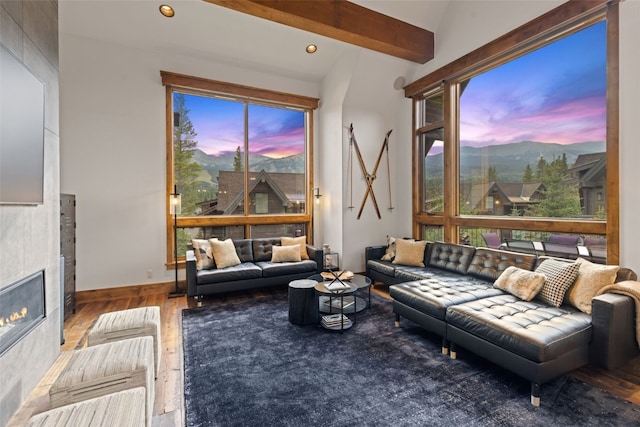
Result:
x=273 y=132
x=554 y=94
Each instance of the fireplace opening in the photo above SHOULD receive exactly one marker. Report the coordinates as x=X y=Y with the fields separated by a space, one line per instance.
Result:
x=22 y=308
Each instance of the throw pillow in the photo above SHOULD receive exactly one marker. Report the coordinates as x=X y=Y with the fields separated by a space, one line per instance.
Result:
x=390 y=253
x=522 y=283
x=559 y=276
x=300 y=241
x=591 y=278
x=224 y=253
x=204 y=256
x=285 y=254
x=410 y=252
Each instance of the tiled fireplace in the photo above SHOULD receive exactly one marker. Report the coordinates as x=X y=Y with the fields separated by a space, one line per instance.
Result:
x=22 y=308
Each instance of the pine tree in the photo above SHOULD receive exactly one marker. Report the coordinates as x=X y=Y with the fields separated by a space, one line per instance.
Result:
x=185 y=169
x=237 y=161
x=560 y=200
x=492 y=174
x=540 y=169
x=528 y=175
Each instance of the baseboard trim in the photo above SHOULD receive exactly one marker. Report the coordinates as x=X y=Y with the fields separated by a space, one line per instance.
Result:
x=108 y=294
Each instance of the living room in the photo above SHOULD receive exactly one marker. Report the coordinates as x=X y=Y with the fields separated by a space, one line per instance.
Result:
x=109 y=147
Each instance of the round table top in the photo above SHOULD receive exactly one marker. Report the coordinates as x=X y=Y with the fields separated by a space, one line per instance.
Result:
x=302 y=283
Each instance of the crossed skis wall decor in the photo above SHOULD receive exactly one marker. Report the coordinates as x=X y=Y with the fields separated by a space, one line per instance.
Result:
x=368 y=177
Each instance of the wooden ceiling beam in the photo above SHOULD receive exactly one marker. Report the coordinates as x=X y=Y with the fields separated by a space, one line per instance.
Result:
x=344 y=21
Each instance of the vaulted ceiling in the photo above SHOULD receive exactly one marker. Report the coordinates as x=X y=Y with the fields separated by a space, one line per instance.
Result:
x=208 y=31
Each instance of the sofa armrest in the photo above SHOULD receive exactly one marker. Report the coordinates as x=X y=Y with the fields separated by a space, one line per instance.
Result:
x=374 y=252
x=613 y=341
x=190 y=269
x=317 y=255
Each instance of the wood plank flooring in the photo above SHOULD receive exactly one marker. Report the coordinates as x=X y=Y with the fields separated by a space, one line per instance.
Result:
x=168 y=408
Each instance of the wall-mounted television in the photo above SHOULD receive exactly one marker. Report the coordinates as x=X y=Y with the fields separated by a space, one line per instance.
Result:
x=21 y=133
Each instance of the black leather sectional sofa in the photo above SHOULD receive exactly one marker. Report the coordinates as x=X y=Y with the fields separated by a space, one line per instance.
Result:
x=255 y=270
x=453 y=296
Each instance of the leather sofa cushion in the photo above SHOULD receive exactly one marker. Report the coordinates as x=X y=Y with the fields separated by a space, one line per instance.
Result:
x=489 y=263
x=531 y=329
x=262 y=249
x=244 y=250
x=433 y=296
x=243 y=271
x=270 y=269
x=384 y=267
x=451 y=257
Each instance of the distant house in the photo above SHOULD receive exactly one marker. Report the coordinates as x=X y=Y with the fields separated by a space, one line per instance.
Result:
x=269 y=193
x=500 y=198
x=589 y=174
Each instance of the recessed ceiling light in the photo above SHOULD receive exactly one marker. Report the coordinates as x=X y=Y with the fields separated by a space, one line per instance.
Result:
x=311 y=48
x=167 y=10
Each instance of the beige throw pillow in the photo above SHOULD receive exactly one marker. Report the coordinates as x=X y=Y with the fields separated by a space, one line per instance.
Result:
x=524 y=284
x=224 y=253
x=300 y=241
x=285 y=254
x=203 y=253
x=409 y=252
x=591 y=277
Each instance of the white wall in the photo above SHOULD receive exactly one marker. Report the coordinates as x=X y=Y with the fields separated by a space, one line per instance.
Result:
x=113 y=150
x=113 y=153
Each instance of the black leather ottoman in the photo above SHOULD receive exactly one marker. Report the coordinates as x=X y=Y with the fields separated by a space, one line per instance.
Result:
x=530 y=338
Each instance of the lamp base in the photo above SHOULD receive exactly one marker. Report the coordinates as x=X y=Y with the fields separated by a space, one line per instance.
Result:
x=176 y=294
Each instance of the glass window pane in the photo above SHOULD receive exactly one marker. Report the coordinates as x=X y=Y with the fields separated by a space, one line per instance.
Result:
x=534 y=143
x=208 y=154
x=433 y=170
x=432 y=110
x=276 y=160
x=432 y=233
x=278 y=230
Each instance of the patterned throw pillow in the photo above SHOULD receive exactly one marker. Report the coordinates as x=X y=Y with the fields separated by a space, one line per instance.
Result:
x=409 y=252
x=390 y=253
x=204 y=256
x=300 y=241
x=224 y=253
x=524 y=284
x=285 y=254
x=559 y=276
x=591 y=278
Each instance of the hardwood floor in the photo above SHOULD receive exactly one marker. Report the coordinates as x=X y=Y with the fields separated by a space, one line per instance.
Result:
x=168 y=407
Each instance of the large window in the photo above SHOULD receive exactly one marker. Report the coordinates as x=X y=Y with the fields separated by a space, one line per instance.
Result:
x=524 y=145
x=241 y=163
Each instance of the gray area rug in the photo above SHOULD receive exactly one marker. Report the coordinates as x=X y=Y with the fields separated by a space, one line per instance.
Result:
x=246 y=365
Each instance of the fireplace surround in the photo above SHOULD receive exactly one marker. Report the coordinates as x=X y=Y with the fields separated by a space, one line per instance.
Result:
x=22 y=308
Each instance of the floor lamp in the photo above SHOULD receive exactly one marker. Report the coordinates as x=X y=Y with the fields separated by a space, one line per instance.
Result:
x=175 y=207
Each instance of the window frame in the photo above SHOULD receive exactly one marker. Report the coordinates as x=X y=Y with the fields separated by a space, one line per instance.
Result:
x=569 y=17
x=200 y=86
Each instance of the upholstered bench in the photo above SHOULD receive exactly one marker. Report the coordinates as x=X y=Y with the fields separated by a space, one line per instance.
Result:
x=131 y=323
x=123 y=409
x=107 y=368
x=538 y=341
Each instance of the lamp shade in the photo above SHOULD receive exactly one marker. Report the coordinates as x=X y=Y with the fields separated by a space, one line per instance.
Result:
x=175 y=204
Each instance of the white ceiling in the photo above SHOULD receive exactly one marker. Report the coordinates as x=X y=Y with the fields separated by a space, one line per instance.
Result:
x=212 y=32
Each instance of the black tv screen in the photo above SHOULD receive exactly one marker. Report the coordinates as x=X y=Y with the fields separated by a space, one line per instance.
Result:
x=21 y=133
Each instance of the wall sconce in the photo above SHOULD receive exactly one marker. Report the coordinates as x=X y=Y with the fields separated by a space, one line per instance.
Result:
x=316 y=194
x=175 y=208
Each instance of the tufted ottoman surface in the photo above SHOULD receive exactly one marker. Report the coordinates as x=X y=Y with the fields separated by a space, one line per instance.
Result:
x=530 y=329
x=131 y=323
x=433 y=296
x=123 y=409
x=104 y=369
